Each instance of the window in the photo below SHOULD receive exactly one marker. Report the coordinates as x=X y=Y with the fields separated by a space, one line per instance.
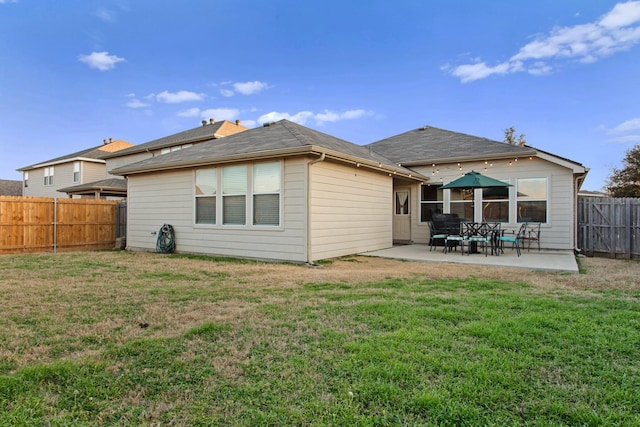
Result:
x=430 y=201
x=48 y=176
x=266 y=193
x=402 y=203
x=206 y=190
x=26 y=179
x=174 y=148
x=462 y=203
x=532 y=199
x=495 y=204
x=76 y=171
x=234 y=195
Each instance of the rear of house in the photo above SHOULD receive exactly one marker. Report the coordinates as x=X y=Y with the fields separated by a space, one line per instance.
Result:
x=281 y=192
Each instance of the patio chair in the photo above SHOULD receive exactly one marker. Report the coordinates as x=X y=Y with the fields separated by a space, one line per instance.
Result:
x=532 y=234
x=514 y=239
x=455 y=237
x=481 y=234
x=436 y=236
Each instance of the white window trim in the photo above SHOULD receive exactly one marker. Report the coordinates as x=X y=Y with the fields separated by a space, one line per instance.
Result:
x=248 y=202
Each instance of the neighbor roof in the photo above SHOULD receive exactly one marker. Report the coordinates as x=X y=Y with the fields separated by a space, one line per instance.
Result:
x=10 y=188
x=429 y=144
x=97 y=154
x=208 y=130
x=107 y=187
x=283 y=138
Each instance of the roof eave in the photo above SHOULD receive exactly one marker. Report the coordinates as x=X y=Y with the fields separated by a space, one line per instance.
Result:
x=59 y=162
x=460 y=159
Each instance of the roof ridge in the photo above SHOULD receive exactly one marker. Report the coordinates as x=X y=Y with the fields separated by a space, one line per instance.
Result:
x=295 y=132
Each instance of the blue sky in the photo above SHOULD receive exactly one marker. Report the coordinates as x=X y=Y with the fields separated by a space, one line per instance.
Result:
x=565 y=73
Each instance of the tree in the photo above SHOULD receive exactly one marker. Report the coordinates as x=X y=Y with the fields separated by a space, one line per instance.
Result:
x=625 y=182
x=510 y=137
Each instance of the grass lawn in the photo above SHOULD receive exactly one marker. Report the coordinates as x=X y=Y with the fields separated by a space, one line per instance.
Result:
x=118 y=338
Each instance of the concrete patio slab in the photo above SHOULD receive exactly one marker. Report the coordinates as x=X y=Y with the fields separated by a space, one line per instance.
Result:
x=559 y=261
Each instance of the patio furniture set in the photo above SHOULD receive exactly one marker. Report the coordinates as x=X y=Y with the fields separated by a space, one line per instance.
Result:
x=475 y=237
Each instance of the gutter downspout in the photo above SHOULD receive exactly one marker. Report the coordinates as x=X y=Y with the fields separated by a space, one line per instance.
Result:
x=577 y=184
x=309 y=164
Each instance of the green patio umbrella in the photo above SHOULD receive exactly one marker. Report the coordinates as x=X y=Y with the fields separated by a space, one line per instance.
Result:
x=475 y=179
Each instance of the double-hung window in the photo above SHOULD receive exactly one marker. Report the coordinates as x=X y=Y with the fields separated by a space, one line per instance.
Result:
x=495 y=204
x=462 y=203
x=76 y=172
x=532 y=199
x=234 y=195
x=430 y=201
x=266 y=193
x=206 y=195
x=48 y=176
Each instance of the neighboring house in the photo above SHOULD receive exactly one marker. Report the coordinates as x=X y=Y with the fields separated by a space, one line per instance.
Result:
x=48 y=178
x=117 y=186
x=10 y=188
x=287 y=192
x=178 y=141
x=281 y=191
x=544 y=187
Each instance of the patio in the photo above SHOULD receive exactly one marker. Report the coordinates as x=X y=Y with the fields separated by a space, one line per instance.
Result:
x=558 y=261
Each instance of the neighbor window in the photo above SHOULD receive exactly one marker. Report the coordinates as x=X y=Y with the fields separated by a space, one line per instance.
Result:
x=206 y=191
x=174 y=148
x=430 y=201
x=26 y=179
x=266 y=193
x=76 y=171
x=495 y=204
x=234 y=195
x=462 y=203
x=48 y=176
x=532 y=199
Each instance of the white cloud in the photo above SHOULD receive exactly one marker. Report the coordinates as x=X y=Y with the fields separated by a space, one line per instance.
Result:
x=632 y=125
x=8 y=1
x=617 y=30
x=100 y=60
x=243 y=88
x=136 y=103
x=628 y=132
x=302 y=117
x=191 y=112
x=250 y=88
x=105 y=15
x=218 y=114
x=178 y=97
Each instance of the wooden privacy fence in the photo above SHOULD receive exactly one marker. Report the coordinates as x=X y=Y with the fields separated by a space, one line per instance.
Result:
x=609 y=226
x=43 y=224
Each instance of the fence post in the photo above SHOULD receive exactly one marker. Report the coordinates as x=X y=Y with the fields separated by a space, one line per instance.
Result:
x=55 y=225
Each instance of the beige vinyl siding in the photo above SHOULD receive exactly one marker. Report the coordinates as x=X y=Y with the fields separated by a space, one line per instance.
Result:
x=351 y=210
x=557 y=233
x=91 y=172
x=117 y=162
x=168 y=197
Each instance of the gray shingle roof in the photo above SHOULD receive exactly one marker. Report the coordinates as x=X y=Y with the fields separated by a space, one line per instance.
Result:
x=10 y=188
x=88 y=153
x=199 y=134
x=426 y=144
x=282 y=137
x=109 y=183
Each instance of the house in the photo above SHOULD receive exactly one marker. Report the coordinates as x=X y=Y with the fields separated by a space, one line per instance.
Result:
x=10 y=187
x=544 y=187
x=287 y=192
x=106 y=185
x=281 y=191
x=50 y=177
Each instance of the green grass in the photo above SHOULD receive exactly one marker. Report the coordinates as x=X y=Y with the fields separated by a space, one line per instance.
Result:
x=396 y=352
